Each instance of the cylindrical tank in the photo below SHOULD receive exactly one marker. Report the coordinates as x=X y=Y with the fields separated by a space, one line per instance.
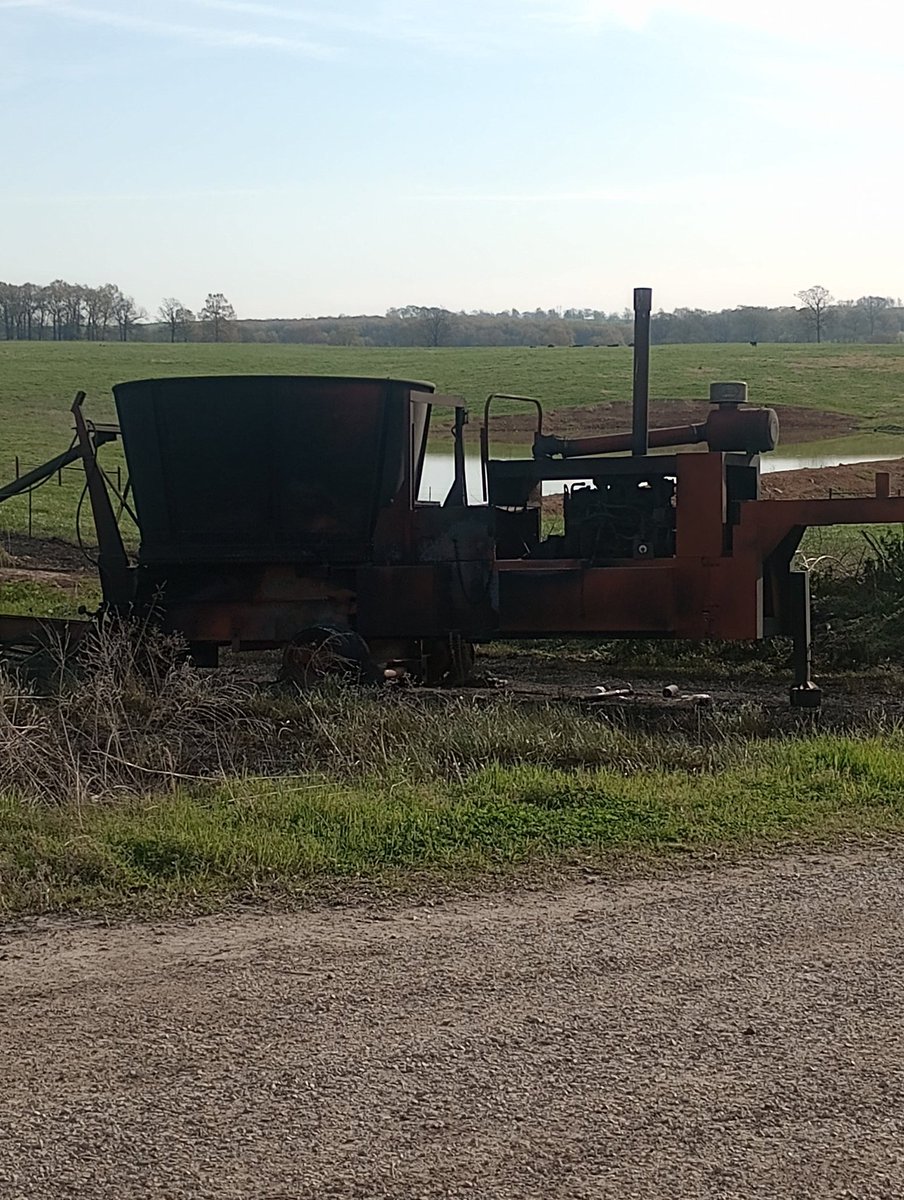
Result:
x=268 y=468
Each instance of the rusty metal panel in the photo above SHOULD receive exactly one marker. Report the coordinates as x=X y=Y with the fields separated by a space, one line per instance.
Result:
x=700 y=499
x=454 y=534
x=16 y=629
x=264 y=468
x=764 y=524
x=718 y=598
x=551 y=598
x=429 y=600
x=246 y=603
x=260 y=625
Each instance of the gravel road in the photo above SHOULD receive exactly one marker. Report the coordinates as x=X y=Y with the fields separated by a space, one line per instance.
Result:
x=727 y=1033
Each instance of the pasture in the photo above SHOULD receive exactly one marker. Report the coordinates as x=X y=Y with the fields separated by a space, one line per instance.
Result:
x=39 y=379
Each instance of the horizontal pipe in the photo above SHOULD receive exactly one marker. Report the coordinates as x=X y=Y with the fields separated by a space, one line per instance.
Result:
x=613 y=443
x=39 y=474
x=750 y=430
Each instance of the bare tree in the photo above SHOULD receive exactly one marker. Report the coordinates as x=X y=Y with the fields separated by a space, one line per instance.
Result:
x=74 y=311
x=100 y=303
x=127 y=314
x=216 y=314
x=41 y=311
x=56 y=303
x=816 y=301
x=872 y=306
x=176 y=317
x=10 y=309
x=185 y=319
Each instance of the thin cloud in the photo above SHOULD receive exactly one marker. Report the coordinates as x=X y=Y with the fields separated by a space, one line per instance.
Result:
x=812 y=23
x=721 y=187
x=212 y=36
x=449 y=26
x=388 y=24
x=57 y=198
x=587 y=196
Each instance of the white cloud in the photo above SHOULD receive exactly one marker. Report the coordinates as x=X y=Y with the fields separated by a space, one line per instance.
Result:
x=452 y=26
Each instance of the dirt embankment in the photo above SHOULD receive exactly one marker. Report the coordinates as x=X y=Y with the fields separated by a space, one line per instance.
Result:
x=26 y=556
x=797 y=424
x=855 y=479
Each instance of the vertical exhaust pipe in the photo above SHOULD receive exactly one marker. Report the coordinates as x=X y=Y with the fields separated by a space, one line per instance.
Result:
x=643 y=307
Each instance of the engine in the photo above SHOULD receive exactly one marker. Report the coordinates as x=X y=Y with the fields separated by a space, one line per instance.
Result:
x=619 y=517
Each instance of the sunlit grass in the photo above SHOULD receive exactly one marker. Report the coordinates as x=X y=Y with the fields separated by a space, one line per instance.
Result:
x=309 y=834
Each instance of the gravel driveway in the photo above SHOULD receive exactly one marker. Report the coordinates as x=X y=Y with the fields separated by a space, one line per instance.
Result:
x=733 y=1033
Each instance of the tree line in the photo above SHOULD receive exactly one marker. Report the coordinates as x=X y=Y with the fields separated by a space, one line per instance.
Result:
x=65 y=312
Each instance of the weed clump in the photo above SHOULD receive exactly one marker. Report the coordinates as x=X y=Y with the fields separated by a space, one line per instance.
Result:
x=133 y=716
x=858 y=613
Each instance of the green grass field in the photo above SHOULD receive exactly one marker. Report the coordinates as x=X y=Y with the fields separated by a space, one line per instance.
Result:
x=39 y=380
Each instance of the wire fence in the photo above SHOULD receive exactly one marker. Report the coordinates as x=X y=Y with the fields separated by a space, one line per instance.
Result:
x=55 y=507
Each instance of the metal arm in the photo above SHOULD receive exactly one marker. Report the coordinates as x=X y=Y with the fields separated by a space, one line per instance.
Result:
x=112 y=560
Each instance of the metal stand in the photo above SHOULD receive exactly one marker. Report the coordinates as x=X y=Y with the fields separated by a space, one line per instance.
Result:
x=804 y=692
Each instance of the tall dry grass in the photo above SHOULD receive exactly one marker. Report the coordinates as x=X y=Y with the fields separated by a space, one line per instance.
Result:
x=129 y=716
x=133 y=717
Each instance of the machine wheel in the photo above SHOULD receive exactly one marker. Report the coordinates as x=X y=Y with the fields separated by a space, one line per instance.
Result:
x=327 y=650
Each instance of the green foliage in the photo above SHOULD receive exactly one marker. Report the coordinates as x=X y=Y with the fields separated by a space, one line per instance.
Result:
x=859 y=613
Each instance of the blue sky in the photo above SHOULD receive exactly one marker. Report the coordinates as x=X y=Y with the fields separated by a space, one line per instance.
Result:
x=307 y=157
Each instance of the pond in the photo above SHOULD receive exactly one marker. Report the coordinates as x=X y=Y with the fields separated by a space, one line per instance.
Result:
x=437 y=476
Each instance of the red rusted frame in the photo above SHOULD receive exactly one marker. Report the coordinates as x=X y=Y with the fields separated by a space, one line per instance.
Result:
x=712 y=588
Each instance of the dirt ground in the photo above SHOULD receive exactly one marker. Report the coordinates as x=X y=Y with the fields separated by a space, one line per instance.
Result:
x=797 y=424
x=66 y=580
x=716 y=1032
x=42 y=554
x=857 y=479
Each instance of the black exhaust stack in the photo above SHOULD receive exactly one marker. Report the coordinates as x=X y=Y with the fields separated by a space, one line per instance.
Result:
x=643 y=307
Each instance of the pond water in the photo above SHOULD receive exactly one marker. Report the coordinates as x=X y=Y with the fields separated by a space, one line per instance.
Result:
x=438 y=472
